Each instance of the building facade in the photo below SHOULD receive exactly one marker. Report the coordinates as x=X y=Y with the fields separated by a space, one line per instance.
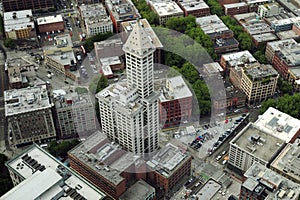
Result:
x=34 y=5
x=275 y=46
x=29 y=116
x=195 y=8
x=235 y=8
x=50 y=24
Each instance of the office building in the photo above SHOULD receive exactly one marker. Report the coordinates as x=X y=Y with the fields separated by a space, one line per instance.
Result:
x=120 y=11
x=139 y=191
x=29 y=116
x=168 y=167
x=235 y=8
x=279 y=124
x=286 y=58
x=275 y=46
x=106 y=165
x=19 y=24
x=269 y=9
x=175 y=102
x=294 y=77
x=75 y=113
x=38 y=175
x=253 y=144
x=127 y=27
x=258 y=81
x=129 y=111
x=194 y=7
x=95 y=19
x=50 y=24
x=263 y=183
x=287 y=163
x=236 y=59
x=35 y=5
x=165 y=10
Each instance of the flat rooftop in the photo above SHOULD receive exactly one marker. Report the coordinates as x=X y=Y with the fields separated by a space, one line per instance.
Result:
x=277 y=45
x=295 y=71
x=279 y=124
x=14 y=68
x=17 y=20
x=191 y=5
x=176 y=88
x=260 y=144
x=108 y=61
x=49 y=19
x=138 y=191
x=211 y=24
x=260 y=71
x=282 y=35
x=239 y=58
x=166 y=8
x=245 y=17
x=257 y=27
x=109 y=48
x=290 y=54
x=167 y=160
x=265 y=37
x=212 y=68
x=257 y=1
x=105 y=158
x=288 y=161
x=18 y=101
x=122 y=9
x=94 y=14
x=263 y=178
x=44 y=173
x=234 y=5
x=225 y=42
x=209 y=190
x=71 y=100
x=128 y=26
x=280 y=22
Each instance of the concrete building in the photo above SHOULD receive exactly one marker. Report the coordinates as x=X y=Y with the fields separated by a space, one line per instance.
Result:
x=219 y=33
x=291 y=34
x=60 y=57
x=269 y=9
x=246 y=17
x=120 y=11
x=75 y=113
x=287 y=163
x=235 y=8
x=29 y=116
x=165 y=10
x=223 y=2
x=294 y=77
x=263 y=183
x=296 y=28
x=275 y=46
x=279 y=124
x=19 y=24
x=106 y=165
x=175 y=102
x=95 y=19
x=194 y=7
x=127 y=27
x=260 y=40
x=110 y=64
x=258 y=82
x=254 y=4
x=129 y=111
x=209 y=189
x=236 y=59
x=287 y=58
x=283 y=24
x=35 y=5
x=253 y=144
x=38 y=175
x=139 y=191
x=168 y=167
x=50 y=23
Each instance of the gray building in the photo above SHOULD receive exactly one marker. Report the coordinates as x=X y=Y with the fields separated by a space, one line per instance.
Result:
x=139 y=191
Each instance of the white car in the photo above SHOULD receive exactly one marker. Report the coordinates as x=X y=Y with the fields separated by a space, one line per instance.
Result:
x=224 y=162
x=218 y=157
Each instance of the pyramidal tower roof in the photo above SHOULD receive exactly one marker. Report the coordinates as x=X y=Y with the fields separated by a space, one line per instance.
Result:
x=138 y=41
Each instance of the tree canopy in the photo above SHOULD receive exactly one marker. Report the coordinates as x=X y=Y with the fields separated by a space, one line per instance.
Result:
x=9 y=43
x=284 y=86
x=89 y=42
x=146 y=12
x=5 y=180
x=61 y=149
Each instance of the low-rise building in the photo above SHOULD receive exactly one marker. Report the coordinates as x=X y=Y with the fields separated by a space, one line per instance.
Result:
x=19 y=24
x=175 y=102
x=253 y=4
x=275 y=46
x=291 y=34
x=168 y=167
x=95 y=19
x=139 y=191
x=279 y=124
x=35 y=5
x=252 y=144
x=106 y=165
x=287 y=163
x=165 y=10
x=269 y=9
x=197 y=8
x=223 y=2
x=120 y=11
x=50 y=24
x=75 y=113
x=246 y=17
x=260 y=40
x=296 y=28
x=235 y=8
x=283 y=24
x=109 y=48
x=29 y=116
x=263 y=183
x=286 y=58
x=291 y=6
x=294 y=77
x=38 y=175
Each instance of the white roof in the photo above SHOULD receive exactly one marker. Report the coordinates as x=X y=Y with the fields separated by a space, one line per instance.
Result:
x=49 y=19
x=166 y=8
x=234 y=5
x=239 y=58
x=17 y=20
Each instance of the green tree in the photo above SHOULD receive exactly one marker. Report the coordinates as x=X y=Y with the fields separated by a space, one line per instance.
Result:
x=260 y=57
x=189 y=72
x=284 y=86
x=102 y=83
x=266 y=104
x=1 y=26
x=61 y=149
x=215 y=7
x=5 y=180
x=9 y=43
x=203 y=96
x=89 y=42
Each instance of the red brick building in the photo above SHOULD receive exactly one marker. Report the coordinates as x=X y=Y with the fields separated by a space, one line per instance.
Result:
x=235 y=8
x=193 y=7
x=106 y=166
x=176 y=102
x=296 y=28
x=50 y=23
x=222 y=2
x=168 y=168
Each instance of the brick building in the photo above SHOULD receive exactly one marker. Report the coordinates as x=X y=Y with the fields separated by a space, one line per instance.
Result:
x=294 y=77
x=194 y=7
x=175 y=103
x=296 y=28
x=275 y=46
x=223 y=2
x=235 y=8
x=50 y=23
x=34 y=5
x=15 y=67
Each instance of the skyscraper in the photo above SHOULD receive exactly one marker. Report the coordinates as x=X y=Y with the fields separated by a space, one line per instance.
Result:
x=129 y=111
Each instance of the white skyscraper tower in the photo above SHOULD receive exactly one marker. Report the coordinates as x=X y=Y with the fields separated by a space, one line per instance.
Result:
x=129 y=111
